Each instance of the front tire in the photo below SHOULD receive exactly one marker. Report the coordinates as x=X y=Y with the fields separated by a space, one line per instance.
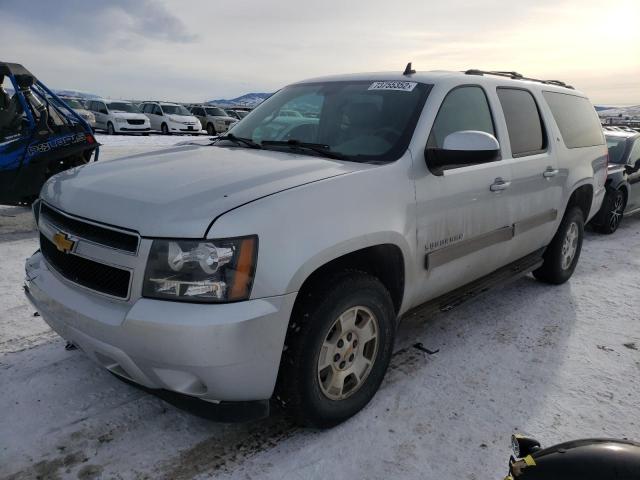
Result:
x=612 y=212
x=562 y=254
x=164 y=129
x=337 y=350
x=210 y=130
x=110 y=129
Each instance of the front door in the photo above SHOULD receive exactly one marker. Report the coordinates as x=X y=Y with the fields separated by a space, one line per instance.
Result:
x=463 y=218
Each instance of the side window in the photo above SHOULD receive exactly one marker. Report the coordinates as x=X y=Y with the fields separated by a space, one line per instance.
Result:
x=102 y=108
x=526 y=133
x=143 y=108
x=90 y=106
x=464 y=108
x=576 y=118
x=157 y=110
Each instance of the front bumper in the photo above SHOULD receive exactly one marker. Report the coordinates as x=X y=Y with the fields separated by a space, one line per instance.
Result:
x=225 y=352
x=127 y=128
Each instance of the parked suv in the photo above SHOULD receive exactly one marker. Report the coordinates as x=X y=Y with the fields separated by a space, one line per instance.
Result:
x=118 y=116
x=77 y=106
x=623 y=182
x=171 y=118
x=277 y=261
x=215 y=120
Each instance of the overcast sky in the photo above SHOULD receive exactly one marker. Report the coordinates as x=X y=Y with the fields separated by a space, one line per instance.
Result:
x=198 y=50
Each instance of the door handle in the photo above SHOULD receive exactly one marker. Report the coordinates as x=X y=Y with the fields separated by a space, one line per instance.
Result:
x=550 y=172
x=499 y=184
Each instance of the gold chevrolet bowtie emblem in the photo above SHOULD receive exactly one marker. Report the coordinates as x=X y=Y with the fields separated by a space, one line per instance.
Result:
x=63 y=242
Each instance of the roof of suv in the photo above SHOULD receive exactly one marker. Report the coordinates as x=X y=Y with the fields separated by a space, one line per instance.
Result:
x=442 y=76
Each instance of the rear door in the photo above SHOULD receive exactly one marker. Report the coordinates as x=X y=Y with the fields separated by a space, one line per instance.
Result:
x=536 y=181
x=462 y=212
x=101 y=114
x=633 y=203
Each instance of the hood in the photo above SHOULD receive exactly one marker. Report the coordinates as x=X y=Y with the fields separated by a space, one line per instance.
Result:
x=220 y=117
x=181 y=118
x=128 y=115
x=615 y=168
x=178 y=192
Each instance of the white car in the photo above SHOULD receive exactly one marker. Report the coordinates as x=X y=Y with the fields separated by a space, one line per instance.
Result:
x=118 y=116
x=276 y=262
x=171 y=118
x=77 y=106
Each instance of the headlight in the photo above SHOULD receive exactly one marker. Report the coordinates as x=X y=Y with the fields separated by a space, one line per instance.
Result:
x=201 y=270
x=121 y=120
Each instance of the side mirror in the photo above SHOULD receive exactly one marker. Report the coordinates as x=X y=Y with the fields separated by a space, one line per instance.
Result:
x=629 y=169
x=463 y=148
x=104 y=112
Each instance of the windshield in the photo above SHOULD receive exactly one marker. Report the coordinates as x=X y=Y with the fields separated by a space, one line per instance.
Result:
x=175 y=110
x=73 y=103
x=122 y=107
x=362 y=121
x=617 y=147
x=216 y=112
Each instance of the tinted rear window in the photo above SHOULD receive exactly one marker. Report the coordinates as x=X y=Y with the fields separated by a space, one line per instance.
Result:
x=526 y=134
x=576 y=118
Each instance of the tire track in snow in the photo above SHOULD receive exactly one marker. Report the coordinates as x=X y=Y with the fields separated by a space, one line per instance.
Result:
x=225 y=455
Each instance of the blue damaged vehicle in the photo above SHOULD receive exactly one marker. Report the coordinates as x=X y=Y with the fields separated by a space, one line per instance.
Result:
x=40 y=135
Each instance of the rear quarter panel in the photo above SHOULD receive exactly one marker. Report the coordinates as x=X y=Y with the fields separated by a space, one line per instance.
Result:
x=578 y=166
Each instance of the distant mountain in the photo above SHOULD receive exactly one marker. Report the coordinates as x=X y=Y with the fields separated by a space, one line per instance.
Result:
x=64 y=93
x=601 y=107
x=248 y=100
x=75 y=94
x=632 y=111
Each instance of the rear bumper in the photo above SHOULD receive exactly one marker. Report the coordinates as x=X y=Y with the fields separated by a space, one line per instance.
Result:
x=226 y=352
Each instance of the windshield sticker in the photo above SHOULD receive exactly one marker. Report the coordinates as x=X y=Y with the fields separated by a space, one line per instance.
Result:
x=393 y=85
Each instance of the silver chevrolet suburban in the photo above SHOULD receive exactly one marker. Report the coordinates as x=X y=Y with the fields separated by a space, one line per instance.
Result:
x=274 y=262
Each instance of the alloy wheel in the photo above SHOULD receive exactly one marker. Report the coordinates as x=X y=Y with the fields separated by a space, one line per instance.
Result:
x=570 y=245
x=615 y=215
x=348 y=353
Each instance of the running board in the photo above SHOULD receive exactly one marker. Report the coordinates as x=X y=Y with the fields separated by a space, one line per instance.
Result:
x=474 y=289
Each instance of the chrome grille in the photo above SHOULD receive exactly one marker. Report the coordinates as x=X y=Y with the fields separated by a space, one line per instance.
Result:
x=91 y=232
x=87 y=273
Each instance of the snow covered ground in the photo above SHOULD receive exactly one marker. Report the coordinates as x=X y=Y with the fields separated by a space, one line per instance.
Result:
x=558 y=362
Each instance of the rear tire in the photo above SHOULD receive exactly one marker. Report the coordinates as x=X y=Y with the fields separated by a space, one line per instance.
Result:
x=562 y=254
x=337 y=350
x=612 y=212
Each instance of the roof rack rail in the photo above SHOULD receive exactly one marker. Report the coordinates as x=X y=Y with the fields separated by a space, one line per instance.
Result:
x=517 y=76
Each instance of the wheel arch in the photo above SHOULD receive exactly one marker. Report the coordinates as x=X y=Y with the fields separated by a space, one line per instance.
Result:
x=581 y=197
x=386 y=261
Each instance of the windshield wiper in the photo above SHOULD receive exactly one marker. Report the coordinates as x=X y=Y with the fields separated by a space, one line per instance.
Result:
x=318 y=148
x=239 y=140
